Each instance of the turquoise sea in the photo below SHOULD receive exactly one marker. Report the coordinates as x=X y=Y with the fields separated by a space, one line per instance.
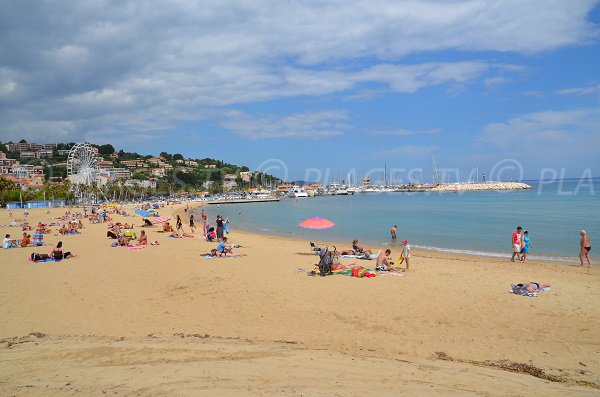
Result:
x=470 y=222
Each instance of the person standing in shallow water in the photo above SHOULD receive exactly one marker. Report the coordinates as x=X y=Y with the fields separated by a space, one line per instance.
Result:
x=586 y=247
x=393 y=231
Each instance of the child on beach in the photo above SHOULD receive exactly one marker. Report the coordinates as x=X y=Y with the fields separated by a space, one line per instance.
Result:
x=406 y=253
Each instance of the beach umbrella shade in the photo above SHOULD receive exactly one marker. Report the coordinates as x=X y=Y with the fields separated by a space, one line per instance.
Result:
x=160 y=219
x=316 y=223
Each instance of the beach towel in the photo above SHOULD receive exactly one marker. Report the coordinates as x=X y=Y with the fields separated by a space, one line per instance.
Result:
x=391 y=274
x=45 y=260
x=134 y=247
x=221 y=257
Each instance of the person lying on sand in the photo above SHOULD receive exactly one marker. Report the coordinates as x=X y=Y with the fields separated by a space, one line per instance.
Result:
x=535 y=286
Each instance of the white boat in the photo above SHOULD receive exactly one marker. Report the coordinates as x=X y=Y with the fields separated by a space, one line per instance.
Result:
x=338 y=189
x=297 y=192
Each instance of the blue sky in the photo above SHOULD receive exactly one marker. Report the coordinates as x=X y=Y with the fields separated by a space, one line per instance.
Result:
x=323 y=88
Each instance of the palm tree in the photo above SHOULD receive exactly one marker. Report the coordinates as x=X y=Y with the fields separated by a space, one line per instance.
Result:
x=6 y=185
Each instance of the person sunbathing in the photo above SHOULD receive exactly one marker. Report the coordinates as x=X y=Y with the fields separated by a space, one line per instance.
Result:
x=8 y=242
x=63 y=230
x=360 y=250
x=58 y=253
x=123 y=241
x=143 y=240
x=535 y=287
x=223 y=248
x=384 y=262
x=167 y=227
x=26 y=240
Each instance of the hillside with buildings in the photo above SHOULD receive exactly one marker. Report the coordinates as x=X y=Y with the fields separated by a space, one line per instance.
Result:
x=33 y=168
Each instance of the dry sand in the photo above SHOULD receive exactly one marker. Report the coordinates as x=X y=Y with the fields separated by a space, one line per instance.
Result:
x=165 y=321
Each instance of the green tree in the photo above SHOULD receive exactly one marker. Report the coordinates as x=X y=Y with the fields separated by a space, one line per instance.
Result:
x=106 y=149
x=177 y=156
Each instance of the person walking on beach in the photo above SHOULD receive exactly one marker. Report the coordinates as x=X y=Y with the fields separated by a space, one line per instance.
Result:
x=393 y=231
x=406 y=253
x=586 y=247
x=220 y=226
x=526 y=246
x=192 y=223
x=179 y=225
x=516 y=244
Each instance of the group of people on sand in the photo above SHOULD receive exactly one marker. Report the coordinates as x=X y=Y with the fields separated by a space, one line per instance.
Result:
x=71 y=227
x=521 y=244
x=57 y=254
x=124 y=235
x=384 y=259
x=223 y=249
x=12 y=243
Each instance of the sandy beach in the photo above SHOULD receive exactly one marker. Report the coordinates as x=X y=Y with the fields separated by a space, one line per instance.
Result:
x=165 y=321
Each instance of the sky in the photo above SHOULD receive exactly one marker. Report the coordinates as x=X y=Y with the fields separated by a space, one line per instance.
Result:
x=314 y=89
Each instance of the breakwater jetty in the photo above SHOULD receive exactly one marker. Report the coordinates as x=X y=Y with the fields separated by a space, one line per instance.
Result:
x=241 y=201
x=456 y=187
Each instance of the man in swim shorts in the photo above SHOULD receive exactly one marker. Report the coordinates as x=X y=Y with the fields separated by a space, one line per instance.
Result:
x=383 y=261
x=516 y=244
x=586 y=247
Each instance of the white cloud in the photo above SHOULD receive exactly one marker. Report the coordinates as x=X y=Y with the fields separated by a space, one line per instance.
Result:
x=317 y=125
x=404 y=132
x=96 y=64
x=541 y=129
x=410 y=151
x=589 y=90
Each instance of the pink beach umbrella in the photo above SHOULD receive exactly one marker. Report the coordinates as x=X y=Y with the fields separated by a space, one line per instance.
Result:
x=160 y=219
x=316 y=223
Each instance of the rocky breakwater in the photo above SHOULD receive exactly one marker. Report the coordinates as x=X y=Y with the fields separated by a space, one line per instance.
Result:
x=456 y=187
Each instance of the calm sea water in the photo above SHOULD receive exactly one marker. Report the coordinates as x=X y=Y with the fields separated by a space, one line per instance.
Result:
x=471 y=222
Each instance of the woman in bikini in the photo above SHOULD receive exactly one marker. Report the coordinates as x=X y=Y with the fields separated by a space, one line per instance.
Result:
x=58 y=253
x=359 y=250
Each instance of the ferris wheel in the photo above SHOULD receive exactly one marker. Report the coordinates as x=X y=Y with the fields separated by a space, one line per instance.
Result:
x=82 y=168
